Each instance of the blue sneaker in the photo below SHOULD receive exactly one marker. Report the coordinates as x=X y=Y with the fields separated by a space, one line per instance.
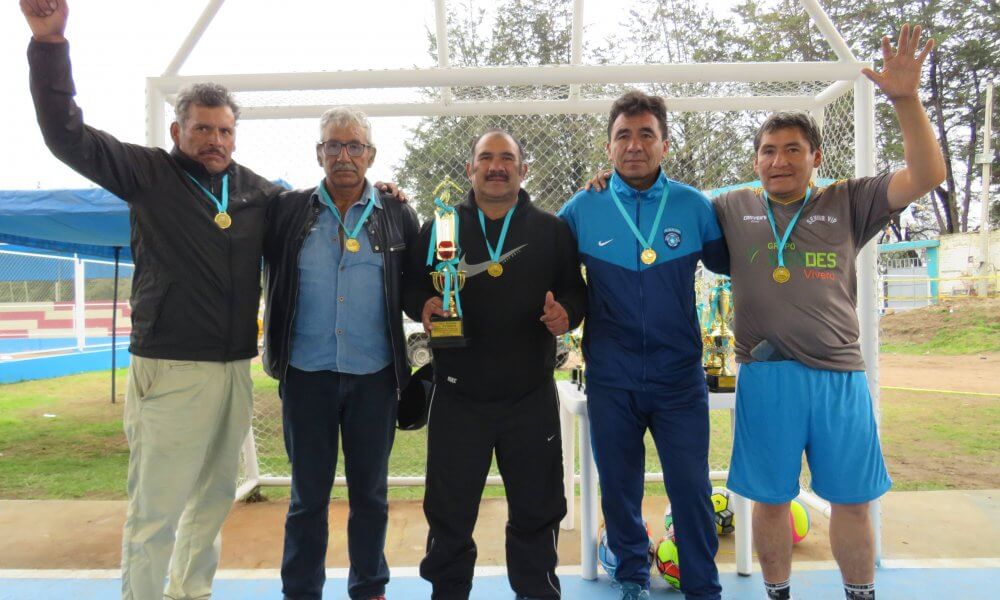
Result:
x=632 y=591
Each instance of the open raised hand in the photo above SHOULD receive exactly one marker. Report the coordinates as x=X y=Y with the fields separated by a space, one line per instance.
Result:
x=900 y=74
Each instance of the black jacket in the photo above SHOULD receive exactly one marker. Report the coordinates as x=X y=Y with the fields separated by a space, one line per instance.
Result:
x=196 y=288
x=510 y=352
x=391 y=230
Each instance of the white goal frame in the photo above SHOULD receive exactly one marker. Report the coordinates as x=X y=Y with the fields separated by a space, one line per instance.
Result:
x=845 y=73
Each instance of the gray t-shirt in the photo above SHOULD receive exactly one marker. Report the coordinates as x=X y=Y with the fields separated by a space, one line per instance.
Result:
x=811 y=318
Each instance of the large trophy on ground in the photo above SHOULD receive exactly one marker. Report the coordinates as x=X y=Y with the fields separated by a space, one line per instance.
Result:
x=447 y=332
x=719 y=341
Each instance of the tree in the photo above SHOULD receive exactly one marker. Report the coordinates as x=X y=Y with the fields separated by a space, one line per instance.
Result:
x=713 y=149
x=562 y=150
x=956 y=73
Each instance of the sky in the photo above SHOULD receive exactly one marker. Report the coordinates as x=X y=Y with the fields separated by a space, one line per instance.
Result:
x=116 y=44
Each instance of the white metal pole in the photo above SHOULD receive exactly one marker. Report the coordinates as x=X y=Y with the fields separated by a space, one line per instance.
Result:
x=828 y=29
x=868 y=316
x=576 y=47
x=984 y=196
x=525 y=75
x=441 y=31
x=155 y=115
x=588 y=505
x=527 y=107
x=833 y=91
x=819 y=115
x=251 y=467
x=193 y=36
x=79 y=303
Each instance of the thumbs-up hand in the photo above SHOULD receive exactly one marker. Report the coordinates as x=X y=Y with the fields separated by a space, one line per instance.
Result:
x=554 y=316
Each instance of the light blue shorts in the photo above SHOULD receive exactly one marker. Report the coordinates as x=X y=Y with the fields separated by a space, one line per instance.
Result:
x=784 y=408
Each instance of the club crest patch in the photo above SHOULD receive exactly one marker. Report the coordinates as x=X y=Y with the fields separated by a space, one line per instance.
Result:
x=672 y=237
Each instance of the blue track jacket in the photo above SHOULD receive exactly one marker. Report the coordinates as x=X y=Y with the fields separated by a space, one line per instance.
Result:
x=641 y=332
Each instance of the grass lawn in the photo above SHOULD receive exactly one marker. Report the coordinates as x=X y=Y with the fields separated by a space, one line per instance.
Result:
x=62 y=438
x=955 y=326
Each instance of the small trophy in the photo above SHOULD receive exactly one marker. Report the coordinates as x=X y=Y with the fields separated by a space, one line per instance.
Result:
x=447 y=332
x=718 y=372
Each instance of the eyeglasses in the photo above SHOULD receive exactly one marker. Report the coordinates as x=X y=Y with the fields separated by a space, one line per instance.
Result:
x=333 y=148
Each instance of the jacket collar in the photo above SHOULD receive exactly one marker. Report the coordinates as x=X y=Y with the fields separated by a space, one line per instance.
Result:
x=628 y=193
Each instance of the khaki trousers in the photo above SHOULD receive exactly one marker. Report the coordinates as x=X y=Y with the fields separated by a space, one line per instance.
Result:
x=185 y=422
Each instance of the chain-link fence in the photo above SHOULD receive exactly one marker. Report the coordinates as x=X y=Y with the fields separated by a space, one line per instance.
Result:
x=56 y=303
x=708 y=149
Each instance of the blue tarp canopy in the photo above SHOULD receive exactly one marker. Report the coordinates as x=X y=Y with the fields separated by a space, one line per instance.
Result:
x=91 y=222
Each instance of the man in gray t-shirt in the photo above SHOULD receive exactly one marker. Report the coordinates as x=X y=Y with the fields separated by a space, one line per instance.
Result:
x=811 y=317
x=802 y=386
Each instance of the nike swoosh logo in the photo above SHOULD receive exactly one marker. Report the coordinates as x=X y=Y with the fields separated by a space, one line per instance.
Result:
x=550 y=438
x=476 y=269
x=605 y=243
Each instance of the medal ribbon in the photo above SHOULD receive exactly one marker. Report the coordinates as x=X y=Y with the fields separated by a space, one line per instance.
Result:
x=325 y=198
x=447 y=268
x=648 y=242
x=782 y=240
x=224 y=203
x=495 y=254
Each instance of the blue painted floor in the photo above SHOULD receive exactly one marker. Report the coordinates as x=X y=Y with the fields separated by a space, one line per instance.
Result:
x=893 y=584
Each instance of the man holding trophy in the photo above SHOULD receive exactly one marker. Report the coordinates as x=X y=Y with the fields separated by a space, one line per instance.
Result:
x=501 y=277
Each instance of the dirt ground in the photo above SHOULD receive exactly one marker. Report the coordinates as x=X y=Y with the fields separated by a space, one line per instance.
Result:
x=955 y=524
x=86 y=534
x=965 y=373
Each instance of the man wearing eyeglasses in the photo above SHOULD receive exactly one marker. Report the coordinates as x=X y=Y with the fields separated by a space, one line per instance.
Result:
x=334 y=340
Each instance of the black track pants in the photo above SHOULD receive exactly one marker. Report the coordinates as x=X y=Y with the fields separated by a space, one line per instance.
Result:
x=463 y=434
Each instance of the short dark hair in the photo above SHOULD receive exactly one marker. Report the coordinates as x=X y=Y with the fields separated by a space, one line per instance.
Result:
x=491 y=131
x=203 y=94
x=635 y=103
x=788 y=119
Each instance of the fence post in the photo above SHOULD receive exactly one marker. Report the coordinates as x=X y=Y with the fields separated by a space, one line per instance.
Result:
x=79 y=303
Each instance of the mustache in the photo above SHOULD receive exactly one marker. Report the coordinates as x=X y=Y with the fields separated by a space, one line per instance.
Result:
x=344 y=167
x=497 y=175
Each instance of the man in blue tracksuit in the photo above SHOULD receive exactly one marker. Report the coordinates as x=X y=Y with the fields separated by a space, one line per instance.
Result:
x=641 y=239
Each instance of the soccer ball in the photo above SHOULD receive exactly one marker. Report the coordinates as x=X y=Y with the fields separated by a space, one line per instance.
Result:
x=798 y=518
x=607 y=558
x=667 y=562
x=725 y=521
x=668 y=522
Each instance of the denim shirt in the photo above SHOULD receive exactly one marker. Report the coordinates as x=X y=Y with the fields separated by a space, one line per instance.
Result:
x=340 y=319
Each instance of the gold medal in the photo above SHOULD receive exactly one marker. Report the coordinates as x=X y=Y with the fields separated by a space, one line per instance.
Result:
x=648 y=256
x=223 y=220
x=781 y=274
x=352 y=244
x=495 y=269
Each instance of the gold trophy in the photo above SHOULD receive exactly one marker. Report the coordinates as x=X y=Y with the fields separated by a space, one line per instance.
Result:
x=447 y=332
x=704 y=310
x=718 y=372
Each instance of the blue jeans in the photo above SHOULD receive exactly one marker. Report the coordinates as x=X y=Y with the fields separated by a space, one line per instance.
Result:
x=317 y=408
